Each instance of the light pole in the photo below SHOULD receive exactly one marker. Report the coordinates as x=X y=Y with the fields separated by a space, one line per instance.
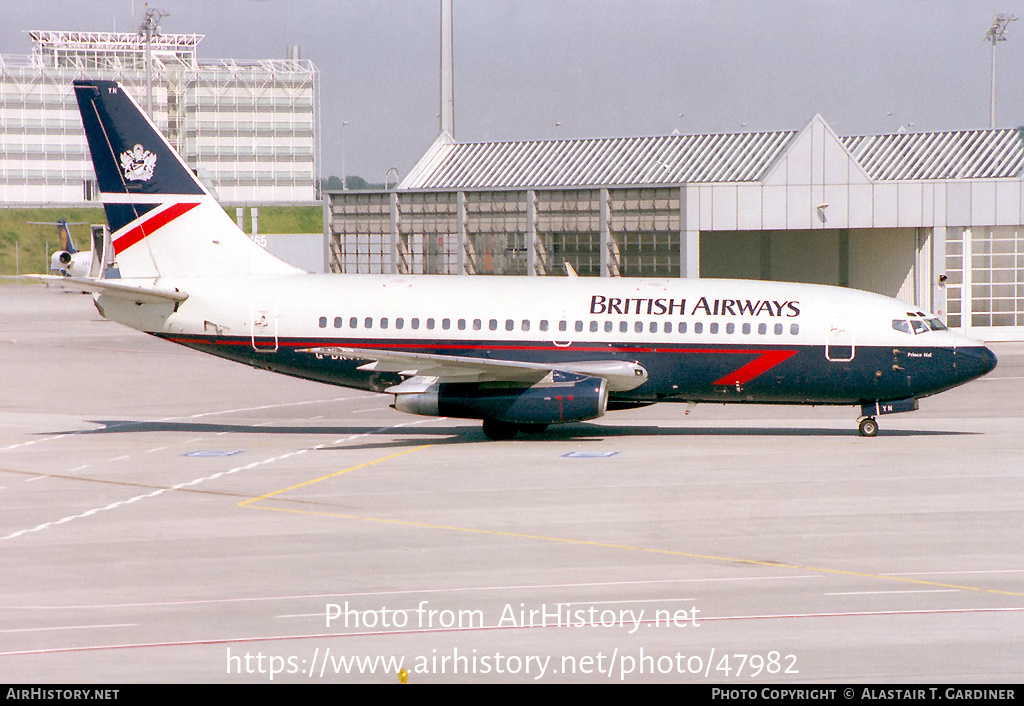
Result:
x=344 y=173
x=149 y=28
x=996 y=33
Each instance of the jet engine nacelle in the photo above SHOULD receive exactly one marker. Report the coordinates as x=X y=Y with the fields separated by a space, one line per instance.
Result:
x=75 y=264
x=566 y=397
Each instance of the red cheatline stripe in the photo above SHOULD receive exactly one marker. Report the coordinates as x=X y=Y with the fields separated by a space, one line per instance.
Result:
x=764 y=362
x=150 y=226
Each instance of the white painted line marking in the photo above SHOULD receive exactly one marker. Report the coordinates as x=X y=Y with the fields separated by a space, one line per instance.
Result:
x=191 y=416
x=951 y=573
x=883 y=593
x=72 y=627
x=419 y=591
x=197 y=481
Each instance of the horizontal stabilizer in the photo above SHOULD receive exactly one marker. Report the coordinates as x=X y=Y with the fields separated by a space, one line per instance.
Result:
x=140 y=293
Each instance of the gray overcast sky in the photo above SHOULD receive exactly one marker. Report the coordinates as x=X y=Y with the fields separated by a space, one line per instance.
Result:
x=600 y=68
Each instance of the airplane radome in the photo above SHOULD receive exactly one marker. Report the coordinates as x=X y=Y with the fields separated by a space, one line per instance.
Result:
x=518 y=353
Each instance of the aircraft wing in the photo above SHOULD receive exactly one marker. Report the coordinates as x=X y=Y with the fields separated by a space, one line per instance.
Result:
x=142 y=294
x=427 y=368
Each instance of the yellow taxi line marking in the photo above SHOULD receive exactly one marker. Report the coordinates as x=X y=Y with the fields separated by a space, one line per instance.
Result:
x=271 y=494
x=583 y=542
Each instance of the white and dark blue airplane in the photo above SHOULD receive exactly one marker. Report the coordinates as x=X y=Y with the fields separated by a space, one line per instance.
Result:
x=68 y=261
x=518 y=353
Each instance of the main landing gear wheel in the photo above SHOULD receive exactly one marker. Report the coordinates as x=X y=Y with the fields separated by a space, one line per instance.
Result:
x=500 y=431
x=868 y=426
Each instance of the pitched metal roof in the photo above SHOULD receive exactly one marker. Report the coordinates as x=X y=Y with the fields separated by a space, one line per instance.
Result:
x=694 y=159
x=974 y=154
x=669 y=159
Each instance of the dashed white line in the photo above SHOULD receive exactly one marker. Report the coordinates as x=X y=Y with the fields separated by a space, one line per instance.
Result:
x=197 y=481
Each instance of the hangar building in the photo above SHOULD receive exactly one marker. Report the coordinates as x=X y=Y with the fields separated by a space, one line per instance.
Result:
x=934 y=219
x=249 y=129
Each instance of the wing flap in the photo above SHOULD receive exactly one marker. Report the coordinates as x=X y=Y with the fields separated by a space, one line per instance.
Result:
x=621 y=375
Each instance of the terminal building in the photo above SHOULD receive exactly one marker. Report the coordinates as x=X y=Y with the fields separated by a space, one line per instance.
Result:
x=933 y=219
x=249 y=129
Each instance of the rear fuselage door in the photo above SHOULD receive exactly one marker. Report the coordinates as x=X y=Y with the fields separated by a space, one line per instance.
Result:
x=264 y=324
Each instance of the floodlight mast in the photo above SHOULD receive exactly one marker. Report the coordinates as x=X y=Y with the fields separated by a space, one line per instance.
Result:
x=447 y=113
x=996 y=33
x=149 y=28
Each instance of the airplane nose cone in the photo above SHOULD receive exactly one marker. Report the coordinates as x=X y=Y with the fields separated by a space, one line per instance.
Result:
x=975 y=362
x=989 y=361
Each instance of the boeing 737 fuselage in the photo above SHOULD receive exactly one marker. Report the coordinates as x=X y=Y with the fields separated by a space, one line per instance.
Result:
x=519 y=353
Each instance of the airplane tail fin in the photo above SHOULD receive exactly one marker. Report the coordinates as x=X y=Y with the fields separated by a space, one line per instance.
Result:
x=66 y=243
x=163 y=221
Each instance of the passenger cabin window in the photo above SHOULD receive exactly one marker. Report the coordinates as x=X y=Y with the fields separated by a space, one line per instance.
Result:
x=543 y=324
x=323 y=322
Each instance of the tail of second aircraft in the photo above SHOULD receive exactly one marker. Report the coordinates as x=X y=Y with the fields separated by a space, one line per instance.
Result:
x=163 y=221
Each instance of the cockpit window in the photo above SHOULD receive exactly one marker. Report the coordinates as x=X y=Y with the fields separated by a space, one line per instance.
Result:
x=918 y=326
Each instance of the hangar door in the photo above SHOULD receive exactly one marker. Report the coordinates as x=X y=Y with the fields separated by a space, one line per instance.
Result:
x=876 y=260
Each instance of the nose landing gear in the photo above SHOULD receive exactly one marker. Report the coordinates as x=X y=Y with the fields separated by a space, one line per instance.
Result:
x=868 y=426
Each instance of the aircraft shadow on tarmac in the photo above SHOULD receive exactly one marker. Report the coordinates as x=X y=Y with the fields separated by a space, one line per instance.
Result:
x=472 y=434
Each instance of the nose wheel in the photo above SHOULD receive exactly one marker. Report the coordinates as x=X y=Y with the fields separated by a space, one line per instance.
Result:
x=868 y=426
